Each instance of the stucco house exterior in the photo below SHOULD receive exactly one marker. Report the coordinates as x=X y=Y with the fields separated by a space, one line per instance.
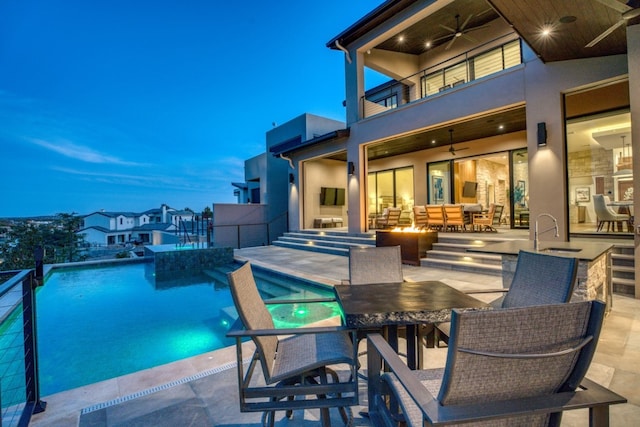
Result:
x=538 y=112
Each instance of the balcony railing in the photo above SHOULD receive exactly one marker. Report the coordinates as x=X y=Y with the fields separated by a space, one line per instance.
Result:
x=474 y=64
x=19 y=385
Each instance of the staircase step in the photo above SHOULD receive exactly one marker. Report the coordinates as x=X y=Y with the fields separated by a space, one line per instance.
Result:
x=624 y=286
x=304 y=240
x=467 y=257
x=313 y=248
x=495 y=270
x=357 y=239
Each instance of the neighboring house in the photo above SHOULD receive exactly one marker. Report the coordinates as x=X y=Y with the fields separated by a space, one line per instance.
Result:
x=478 y=97
x=117 y=228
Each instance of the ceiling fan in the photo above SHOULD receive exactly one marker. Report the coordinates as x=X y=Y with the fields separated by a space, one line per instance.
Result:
x=459 y=31
x=451 y=149
x=628 y=11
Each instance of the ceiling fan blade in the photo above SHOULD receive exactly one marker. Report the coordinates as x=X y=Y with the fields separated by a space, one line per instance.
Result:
x=450 y=43
x=615 y=5
x=442 y=38
x=469 y=38
x=448 y=28
x=481 y=27
x=610 y=30
x=464 y=24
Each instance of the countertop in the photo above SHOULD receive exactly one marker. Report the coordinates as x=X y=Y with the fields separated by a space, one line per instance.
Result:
x=584 y=251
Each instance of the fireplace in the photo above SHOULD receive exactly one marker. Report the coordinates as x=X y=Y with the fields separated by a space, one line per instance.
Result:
x=413 y=244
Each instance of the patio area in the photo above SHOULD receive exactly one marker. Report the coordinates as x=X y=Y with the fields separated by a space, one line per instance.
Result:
x=202 y=391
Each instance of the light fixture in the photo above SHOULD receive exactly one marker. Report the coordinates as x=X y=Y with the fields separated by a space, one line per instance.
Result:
x=624 y=165
x=292 y=178
x=351 y=168
x=542 y=134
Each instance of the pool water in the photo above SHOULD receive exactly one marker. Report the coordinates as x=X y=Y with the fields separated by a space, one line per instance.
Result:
x=99 y=323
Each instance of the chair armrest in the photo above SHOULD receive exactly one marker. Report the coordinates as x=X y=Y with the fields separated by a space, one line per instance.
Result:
x=241 y=332
x=301 y=300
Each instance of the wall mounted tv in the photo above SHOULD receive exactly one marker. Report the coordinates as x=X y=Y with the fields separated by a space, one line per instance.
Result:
x=469 y=189
x=330 y=196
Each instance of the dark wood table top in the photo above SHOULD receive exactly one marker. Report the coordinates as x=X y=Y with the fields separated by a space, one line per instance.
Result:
x=407 y=303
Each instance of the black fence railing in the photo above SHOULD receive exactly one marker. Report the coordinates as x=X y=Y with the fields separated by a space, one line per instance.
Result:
x=19 y=384
x=247 y=235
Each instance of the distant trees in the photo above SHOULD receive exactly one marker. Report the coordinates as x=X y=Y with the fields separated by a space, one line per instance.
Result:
x=58 y=238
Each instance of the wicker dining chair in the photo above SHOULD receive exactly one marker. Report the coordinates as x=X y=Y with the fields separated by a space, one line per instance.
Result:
x=519 y=366
x=298 y=369
x=538 y=279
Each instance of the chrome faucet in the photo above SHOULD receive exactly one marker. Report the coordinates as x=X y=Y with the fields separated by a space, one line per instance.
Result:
x=536 y=234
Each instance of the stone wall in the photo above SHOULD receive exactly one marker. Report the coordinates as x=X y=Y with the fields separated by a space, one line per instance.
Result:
x=187 y=262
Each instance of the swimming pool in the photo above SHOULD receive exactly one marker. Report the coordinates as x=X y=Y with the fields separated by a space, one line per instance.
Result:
x=102 y=322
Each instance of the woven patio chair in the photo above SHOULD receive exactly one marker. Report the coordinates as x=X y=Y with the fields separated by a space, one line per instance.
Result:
x=538 y=279
x=497 y=372
x=298 y=369
x=382 y=264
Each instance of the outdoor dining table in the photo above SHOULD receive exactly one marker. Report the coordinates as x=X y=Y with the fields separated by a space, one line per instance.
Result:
x=386 y=306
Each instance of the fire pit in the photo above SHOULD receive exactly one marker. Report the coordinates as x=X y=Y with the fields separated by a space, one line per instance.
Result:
x=414 y=243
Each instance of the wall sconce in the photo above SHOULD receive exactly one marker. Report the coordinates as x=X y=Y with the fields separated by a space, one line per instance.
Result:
x=542 y=134
x=292 y=178
x=351 y=168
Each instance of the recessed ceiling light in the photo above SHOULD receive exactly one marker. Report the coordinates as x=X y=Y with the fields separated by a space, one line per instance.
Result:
x=546 y=31
x=427 y=44
x=501 y=127
x=401 y=38
x=433 y=141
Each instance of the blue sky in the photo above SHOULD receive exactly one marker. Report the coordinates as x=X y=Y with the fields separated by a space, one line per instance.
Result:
x=125 y=105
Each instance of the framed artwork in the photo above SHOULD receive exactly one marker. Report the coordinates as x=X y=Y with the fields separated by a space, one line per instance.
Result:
x=583 y=194
x=519 y=194
x=438 y=191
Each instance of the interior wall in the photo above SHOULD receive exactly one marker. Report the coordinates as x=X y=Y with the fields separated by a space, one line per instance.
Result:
x=323 y=173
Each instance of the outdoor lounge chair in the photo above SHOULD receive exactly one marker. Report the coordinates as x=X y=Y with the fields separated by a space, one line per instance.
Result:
x=297 y=369
x=538 y=279
x=454 y=217
x=497 y=372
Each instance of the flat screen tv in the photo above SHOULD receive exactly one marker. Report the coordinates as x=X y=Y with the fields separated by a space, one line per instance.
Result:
x=331 y=196
x=469 y=189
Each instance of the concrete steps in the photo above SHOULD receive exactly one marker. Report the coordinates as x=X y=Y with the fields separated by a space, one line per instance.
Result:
x=322 y=241
x=450 y=253
x=623 y=269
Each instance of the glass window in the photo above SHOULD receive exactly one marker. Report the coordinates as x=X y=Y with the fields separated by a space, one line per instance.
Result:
x=520 y=188
x=391 y=188
x=455 y=75
x=432 y=83
x=599 y=163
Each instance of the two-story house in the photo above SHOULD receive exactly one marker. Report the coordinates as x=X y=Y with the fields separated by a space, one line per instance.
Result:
x=529 y=104
x=116 y=228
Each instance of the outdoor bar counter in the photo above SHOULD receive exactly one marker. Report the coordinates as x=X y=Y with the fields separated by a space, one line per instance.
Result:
x=594 y=273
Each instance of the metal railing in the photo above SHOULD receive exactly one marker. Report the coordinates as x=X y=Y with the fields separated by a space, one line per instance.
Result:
x=19 y=384
x=440 y=77
x=252 y=234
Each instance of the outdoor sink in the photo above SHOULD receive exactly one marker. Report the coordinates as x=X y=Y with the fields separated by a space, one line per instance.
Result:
x=560 y=250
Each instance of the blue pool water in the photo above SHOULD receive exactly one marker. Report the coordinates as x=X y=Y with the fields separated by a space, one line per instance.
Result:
x=99 y=323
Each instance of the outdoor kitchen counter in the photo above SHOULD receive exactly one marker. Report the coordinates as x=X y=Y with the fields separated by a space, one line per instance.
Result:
x=593 y=279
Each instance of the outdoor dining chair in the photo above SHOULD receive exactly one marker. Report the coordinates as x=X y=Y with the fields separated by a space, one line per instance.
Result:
x=299 y=365
x=538 y=279
x=390 y=218
x=436 y=217
x=497 y=372
x=454 y=217
x=484 y=220
x=420 y=218
x=371 y=264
